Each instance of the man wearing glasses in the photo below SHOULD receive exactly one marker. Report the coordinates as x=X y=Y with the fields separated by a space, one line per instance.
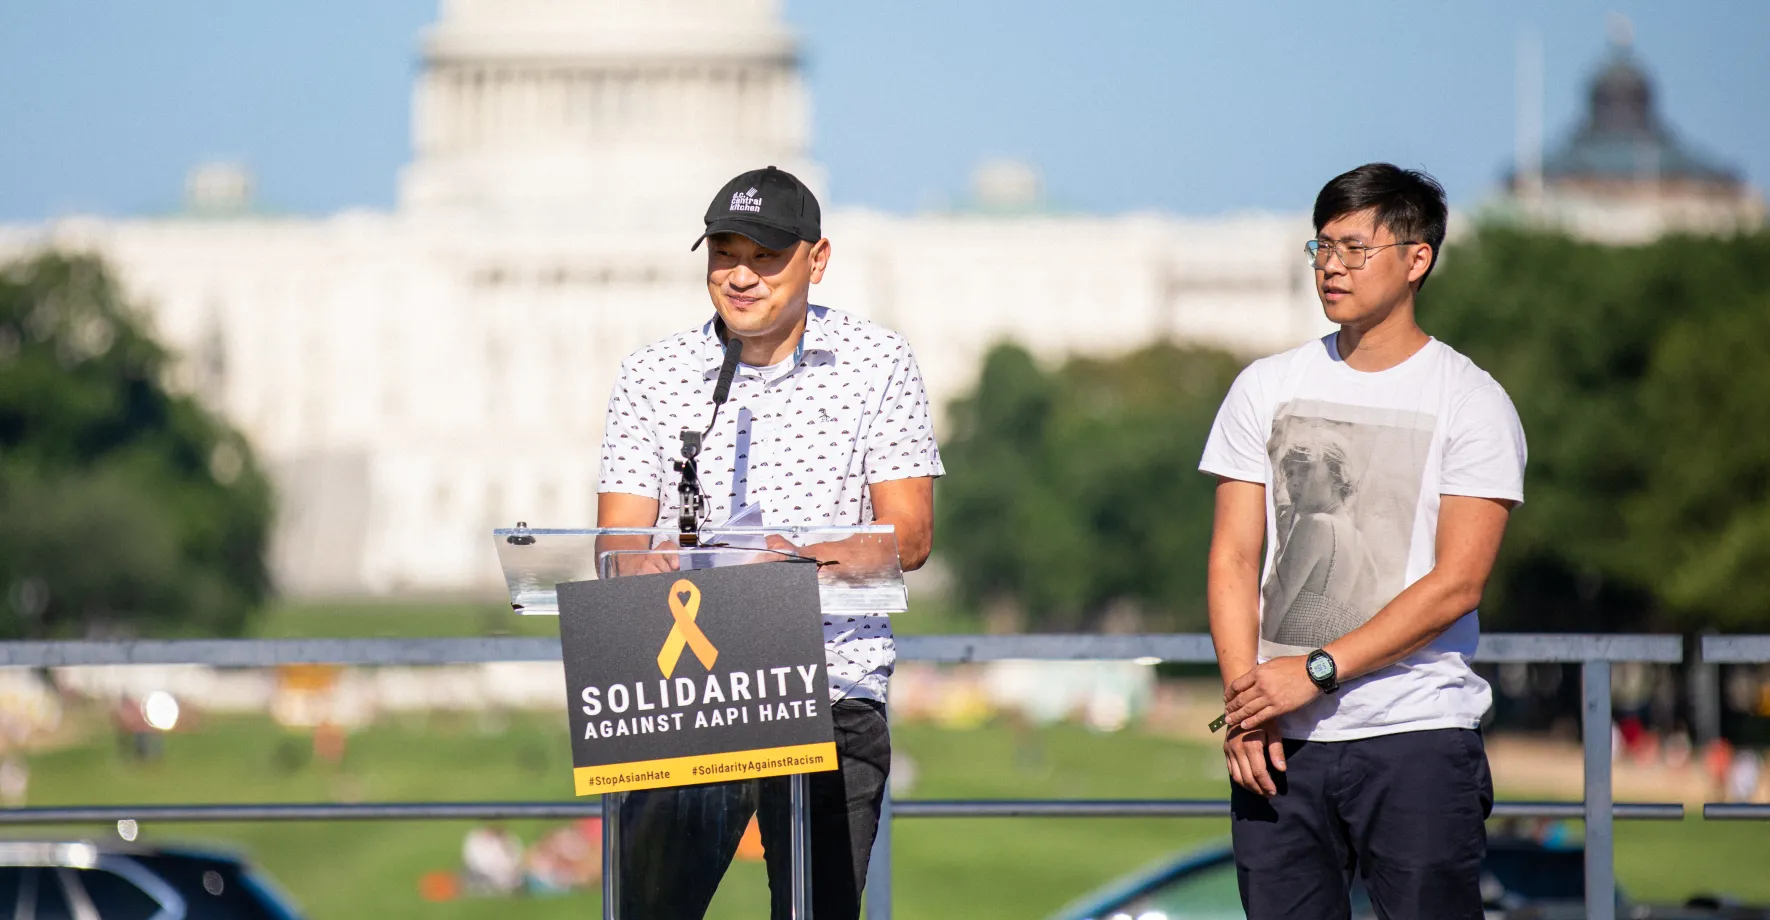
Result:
x=1378 y=466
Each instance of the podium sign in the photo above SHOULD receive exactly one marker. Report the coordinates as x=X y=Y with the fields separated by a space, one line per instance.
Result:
x=655 y=696
x=697 y=676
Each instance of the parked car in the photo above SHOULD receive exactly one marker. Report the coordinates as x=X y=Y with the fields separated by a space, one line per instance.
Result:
x=1522 y=879
x=83 y=880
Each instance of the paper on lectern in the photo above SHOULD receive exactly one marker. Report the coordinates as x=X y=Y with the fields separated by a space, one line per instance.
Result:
x=750 y=515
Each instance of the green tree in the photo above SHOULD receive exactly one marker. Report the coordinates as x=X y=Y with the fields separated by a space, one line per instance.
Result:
x=1704 y=523
x=1073 y=492
x=1640 y=375
x=124 y=508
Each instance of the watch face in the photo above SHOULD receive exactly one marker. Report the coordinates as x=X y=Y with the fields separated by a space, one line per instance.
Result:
x=1321 y=668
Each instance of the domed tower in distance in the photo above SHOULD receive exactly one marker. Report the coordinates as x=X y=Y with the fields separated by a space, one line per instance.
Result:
x=1624 y=176
x=607 y=111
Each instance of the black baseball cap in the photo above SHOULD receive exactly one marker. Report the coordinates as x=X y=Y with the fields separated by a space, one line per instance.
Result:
x=770 y=206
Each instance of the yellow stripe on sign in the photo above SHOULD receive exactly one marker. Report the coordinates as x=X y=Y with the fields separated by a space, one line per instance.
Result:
x=706 y=768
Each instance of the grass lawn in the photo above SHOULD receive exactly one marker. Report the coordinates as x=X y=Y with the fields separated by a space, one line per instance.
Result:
x=396 y=619
x=980 y=868
x=402 y=619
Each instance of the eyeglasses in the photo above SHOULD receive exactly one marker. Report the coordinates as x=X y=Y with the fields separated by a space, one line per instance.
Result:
x=1352 y=255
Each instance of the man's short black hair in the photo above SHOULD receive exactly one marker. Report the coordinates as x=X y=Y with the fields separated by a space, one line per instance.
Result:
x=1408 y=203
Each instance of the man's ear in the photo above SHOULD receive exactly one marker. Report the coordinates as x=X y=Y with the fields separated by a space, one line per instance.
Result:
x=1419 y=263
x=820 y=259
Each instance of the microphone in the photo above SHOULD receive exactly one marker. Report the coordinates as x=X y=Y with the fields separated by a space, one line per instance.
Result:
x=734 y=347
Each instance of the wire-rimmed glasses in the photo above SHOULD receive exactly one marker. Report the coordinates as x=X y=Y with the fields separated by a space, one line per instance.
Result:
x=1352 y=255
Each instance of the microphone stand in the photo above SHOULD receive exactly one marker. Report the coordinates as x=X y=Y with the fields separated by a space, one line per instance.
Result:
x=693 y=502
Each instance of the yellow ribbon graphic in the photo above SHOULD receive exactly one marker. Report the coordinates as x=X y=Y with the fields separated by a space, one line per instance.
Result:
x=685 y=605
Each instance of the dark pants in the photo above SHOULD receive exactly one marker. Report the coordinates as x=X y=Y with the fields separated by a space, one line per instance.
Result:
x=1406 y=813
x=677 y=843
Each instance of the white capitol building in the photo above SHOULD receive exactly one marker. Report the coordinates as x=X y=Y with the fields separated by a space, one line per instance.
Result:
x=414 y=378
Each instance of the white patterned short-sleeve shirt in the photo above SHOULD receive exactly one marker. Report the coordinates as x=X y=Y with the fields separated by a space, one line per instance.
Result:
x=803 y=439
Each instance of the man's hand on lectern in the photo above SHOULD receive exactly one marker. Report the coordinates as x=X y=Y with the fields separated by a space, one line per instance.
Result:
x=781 y=544
x=662 y=558
x=854 y=557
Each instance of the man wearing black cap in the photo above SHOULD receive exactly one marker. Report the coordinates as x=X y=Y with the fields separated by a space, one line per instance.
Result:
x=827 y=424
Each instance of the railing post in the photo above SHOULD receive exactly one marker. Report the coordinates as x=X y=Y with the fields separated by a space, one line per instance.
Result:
x=1704 y=687
x=611 y=854
x=799 y=786
x=878 y=889
x=1595 y=728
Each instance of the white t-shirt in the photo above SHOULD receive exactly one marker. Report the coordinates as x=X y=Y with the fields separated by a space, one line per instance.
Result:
x=1354 y=464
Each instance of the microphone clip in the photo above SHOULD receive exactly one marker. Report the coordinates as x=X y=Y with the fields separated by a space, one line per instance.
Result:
x=692 y=500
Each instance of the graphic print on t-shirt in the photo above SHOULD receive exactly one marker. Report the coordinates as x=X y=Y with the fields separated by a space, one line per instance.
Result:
x=1345 y=489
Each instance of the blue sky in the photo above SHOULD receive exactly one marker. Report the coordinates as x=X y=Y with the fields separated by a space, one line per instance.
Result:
x=1190 y=108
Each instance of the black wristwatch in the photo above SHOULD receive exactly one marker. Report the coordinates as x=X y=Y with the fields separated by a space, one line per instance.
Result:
x=1322 y=671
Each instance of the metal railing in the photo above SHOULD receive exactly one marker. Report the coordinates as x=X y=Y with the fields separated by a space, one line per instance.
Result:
x=1735 y=650
x=1593 y=653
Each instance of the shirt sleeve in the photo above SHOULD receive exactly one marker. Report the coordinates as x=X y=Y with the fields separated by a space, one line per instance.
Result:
x=1236 y=448
x=1485 y=453
x=900 y=440
x=630 y=461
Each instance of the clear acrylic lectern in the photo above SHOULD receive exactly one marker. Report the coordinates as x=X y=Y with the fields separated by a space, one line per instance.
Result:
x=663 y=848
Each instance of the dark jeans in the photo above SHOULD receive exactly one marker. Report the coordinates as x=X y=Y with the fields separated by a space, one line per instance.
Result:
x=677 y=843
x=1406 y=812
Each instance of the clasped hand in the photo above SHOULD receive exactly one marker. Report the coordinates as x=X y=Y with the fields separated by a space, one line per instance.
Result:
x=1252 y=704
x=1268 y=691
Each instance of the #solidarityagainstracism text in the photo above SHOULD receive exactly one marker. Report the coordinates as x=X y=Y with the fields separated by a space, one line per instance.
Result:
x=757 y=766
x=735 y=686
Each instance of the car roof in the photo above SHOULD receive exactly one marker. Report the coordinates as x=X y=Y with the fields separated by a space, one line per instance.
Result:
x=1165 y=869
x=76 y=851
x=1150 y=877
